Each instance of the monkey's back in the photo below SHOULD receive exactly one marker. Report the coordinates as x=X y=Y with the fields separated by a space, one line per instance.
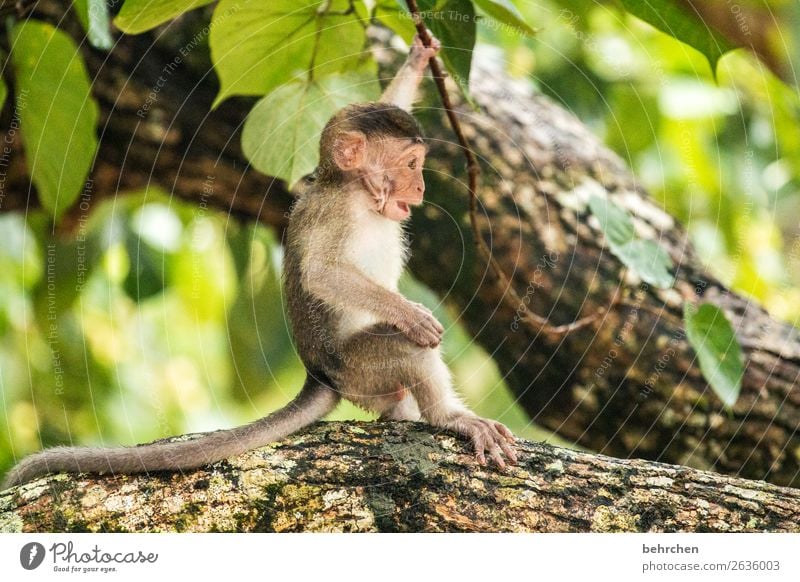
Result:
x=322 y=214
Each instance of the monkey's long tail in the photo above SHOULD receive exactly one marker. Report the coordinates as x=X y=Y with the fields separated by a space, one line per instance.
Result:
x=314 y=401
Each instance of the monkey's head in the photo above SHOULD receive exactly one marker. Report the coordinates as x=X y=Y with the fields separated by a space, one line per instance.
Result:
x=380 y=146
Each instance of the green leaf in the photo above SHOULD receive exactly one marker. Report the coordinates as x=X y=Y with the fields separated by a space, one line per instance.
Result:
x=668 y=16
x=258 y=46
x=645 y=257
x=94 y=18
x=649 y=260
x=140 y=15
x=453 y=23
x=615 y=221
x=393 y=15
x=57 y=113
x=147 y=274
x=506 y=13
x=281 y=134
x=711 y=335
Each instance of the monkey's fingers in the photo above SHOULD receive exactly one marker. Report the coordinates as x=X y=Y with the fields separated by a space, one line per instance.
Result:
x=424 y=338
x=505 y=432
x=425 y=53
x=436 y=46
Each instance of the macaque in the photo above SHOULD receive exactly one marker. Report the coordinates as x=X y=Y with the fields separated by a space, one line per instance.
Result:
x=357 y=336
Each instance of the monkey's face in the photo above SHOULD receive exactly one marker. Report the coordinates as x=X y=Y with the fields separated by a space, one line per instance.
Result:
x=402 y=169
x=389 y=170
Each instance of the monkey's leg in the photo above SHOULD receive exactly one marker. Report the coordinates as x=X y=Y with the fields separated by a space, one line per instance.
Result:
x=375 y=359
x=315 y=400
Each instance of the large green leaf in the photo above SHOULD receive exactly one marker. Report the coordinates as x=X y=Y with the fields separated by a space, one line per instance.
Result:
x=669 y=17
x=453 y=23
x=281 y=134
x=258 y=46
x=504 y=12
x=139 y=15
x=94 y=18
x=57 y=113
x=645 y=257
x=711 y=335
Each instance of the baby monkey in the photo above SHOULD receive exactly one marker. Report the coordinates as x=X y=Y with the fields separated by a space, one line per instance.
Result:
x=357 y=336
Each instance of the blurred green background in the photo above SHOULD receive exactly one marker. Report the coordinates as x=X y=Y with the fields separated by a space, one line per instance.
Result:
x=163 y=318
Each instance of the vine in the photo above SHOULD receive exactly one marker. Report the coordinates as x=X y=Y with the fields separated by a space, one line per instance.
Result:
x=508 y=292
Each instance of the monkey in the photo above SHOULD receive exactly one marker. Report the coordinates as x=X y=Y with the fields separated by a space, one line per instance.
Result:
x=357 y=336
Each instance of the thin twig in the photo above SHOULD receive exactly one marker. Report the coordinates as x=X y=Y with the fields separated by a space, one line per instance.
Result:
x=508 y=293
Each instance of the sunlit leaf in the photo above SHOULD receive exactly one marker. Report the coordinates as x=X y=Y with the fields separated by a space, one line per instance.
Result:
x=504 y=12
x=391 y=14
x=711 y=335
x=258 y=46
x=94 y=18
x=140 y=15
x=669 y=17
x=281 y=134
x=58 y=114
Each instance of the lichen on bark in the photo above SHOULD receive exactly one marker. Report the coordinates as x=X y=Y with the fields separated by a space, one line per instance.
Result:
x=401 y=477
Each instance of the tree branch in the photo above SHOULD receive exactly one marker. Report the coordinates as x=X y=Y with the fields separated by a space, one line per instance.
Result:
x=366 y=477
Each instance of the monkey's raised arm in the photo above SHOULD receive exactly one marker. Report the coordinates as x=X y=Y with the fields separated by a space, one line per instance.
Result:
x=346 y=286
x=402 y=91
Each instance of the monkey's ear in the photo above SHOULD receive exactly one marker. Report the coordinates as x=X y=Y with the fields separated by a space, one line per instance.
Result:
x=348 y=150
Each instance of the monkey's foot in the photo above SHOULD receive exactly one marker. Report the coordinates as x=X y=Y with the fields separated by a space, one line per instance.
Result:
x=488 y=437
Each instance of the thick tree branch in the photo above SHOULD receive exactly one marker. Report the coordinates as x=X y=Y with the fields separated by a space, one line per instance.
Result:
x=366 y=477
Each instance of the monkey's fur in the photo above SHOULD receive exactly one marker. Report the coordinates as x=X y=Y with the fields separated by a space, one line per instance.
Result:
x=357 y=336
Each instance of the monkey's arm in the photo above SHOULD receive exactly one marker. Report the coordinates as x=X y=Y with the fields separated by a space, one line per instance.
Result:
x=342 y=285
x=402 y=91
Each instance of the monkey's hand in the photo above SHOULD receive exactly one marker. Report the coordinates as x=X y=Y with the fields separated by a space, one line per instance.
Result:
x=418 y=324
x=487 y=436
x=420 y=54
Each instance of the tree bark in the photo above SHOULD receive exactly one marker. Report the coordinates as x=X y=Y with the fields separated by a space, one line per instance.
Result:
x=402 y=477
x=627 y=385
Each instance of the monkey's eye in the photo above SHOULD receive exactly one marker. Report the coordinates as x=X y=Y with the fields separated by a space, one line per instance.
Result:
x=413 y=164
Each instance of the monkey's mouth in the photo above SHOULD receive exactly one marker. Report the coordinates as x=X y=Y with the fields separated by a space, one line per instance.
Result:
x=403 y=206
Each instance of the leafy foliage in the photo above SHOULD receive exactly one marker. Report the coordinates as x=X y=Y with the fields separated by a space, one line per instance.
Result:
x=57 y=112
x=140 y=15
x=453 y=22
x=293 y=116
x=711 y=335
x=256 y=47
x=672 y=17
x=504 y=12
